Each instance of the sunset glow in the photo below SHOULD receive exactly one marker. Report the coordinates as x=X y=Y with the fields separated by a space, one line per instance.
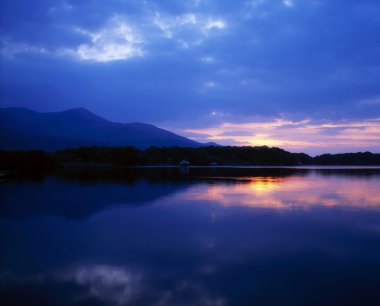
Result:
x=295 y=192
x=306 y=135
x=300 y=75
x=190 y=152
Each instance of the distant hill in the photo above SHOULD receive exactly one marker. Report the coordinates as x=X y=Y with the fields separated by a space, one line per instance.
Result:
x=24 y=129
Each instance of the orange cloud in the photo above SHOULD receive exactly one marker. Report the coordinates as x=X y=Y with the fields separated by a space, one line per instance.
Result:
x=297 y=135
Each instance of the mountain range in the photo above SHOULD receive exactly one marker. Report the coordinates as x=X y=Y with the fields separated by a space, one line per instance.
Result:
x=25 y=129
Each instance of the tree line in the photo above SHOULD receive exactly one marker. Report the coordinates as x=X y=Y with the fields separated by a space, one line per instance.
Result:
x=202 y=156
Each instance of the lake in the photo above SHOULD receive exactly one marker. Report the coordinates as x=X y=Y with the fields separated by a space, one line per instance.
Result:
x=197 y=236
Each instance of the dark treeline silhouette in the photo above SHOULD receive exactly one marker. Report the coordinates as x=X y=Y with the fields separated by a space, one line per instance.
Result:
x=39 y=161
x=202 y=156
x=360 y=158
x=28 y=163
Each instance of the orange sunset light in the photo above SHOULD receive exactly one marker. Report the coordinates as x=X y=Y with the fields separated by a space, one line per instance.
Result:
x=296 y=192
x=295 y=135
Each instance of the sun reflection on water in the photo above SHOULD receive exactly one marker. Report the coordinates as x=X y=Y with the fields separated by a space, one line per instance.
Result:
x=290 y=192
x=263 y=185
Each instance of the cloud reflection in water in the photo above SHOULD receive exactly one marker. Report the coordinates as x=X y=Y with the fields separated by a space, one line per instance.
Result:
x=285 y=238
x=111 y=284
x=294 y=192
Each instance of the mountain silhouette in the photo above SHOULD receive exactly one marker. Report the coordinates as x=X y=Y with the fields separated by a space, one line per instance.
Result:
x=24 y=129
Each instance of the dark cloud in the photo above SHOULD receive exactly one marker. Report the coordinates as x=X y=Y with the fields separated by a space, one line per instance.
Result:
x=178 y=61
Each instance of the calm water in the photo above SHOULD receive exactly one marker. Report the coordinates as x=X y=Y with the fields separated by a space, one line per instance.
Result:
x=205 y=237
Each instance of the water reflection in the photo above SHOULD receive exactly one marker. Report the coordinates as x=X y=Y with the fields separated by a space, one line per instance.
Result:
x=110 y=284
x=79 y=193
x=301 y=192
x=75 y=200
x=229 y=237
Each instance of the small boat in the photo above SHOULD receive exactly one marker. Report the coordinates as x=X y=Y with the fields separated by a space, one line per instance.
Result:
x=184 y=163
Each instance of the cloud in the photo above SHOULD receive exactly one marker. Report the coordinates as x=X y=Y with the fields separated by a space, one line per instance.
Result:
x=118 y=36
x=214 y=24
x=255 y=3
x=304 y=135
x=318 y=61
x=60 y=7
x=118 y=40
x=188 y=29
x=170 y=25
x=208 y=59
x=288 y=3
x=10 y=49
x=370 y=102
x=210 y=84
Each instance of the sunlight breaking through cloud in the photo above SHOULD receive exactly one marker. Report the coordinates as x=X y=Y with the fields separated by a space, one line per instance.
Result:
x=122 y=39
x=116 y=41
x=304 y=135
x=175 y=62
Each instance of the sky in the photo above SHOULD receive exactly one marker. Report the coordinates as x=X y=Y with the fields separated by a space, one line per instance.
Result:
x=303 y=75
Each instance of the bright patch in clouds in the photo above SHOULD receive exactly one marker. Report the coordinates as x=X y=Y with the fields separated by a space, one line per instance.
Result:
x=123 y=39
x=288 y=3
x=116 y=41
x=215 y=24
x=187 y=29
x=305 y=135
x=170 y=25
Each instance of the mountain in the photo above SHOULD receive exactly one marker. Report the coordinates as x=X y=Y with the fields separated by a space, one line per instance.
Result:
x=24 y=129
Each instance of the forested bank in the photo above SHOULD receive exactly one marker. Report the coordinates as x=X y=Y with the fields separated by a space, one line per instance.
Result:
x=30 y=161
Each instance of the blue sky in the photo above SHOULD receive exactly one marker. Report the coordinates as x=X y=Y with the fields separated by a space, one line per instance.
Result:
x=299 y=74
